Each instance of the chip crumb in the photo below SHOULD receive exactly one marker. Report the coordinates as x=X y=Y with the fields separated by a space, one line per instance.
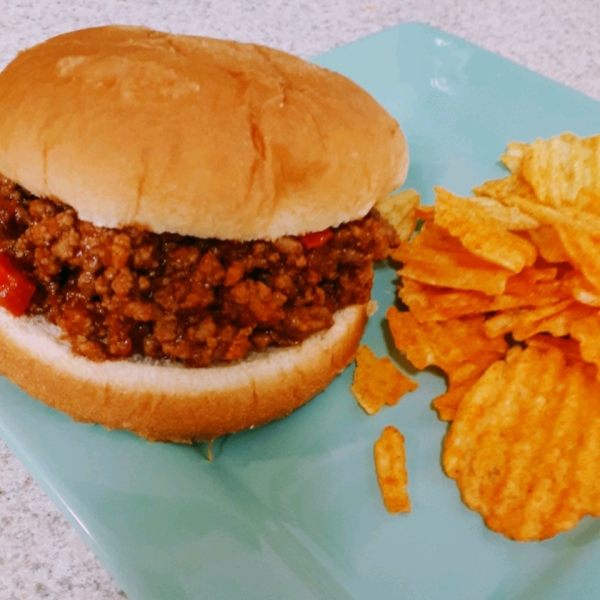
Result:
x=378 y=382
x=390 y=464
x=372 y=307
x=209 y=450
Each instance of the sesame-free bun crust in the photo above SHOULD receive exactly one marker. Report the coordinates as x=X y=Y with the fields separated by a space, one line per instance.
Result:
x=165 y=402
x=195 y=136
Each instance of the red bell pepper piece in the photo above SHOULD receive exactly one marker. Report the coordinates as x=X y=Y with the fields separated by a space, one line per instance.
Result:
x=316 y=239
x=15 y=289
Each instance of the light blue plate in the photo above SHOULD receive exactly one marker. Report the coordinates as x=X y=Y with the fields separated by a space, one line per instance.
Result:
x=292 y=511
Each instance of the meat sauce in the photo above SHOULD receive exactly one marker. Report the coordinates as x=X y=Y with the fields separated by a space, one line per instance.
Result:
x=116 y=293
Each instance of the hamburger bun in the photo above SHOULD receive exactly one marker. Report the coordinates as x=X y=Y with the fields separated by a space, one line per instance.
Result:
x=198 y=137
x=168 y=402
x=195 y=136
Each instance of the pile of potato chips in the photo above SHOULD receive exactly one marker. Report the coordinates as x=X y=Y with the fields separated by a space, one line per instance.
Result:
x=503 y=294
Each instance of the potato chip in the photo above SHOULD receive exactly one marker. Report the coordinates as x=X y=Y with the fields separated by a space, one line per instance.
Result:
x=546 y=240
x=390 y=464
x=431 y=303
x=524 y=283
x=378 y=382
x=484 y=208
x=587 y=332
x=399 y=210
x=433 y=237
x=559 y=324
x=568 y=346
x=578 y=287
x=499 y=189
x=588 y=222
x=413 y=339
x=447 y=404
x=583 y=250
x=482 y=234
x=560 y=167
x=446 y=344
x=524 y=446
x=425 y=213
x=540 y=294
x=513 y=157
x=588 y=201
x=524 y=322
x=460 y=380
x=458 y=269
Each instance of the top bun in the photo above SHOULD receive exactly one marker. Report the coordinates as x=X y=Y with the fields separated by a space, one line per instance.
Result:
x=194 y=136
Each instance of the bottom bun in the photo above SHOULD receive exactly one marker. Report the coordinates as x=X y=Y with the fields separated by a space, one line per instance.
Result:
x=168 y=402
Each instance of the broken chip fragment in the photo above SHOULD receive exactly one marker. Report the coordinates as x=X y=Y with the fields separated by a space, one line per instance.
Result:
x=390 y=465
x=377 y=382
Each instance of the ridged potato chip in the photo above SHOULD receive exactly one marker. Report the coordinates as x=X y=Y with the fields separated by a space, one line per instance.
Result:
x=482 y=234
x=572 y=216
x=583 y=250
x=587 y=332
x=547 y=241
x=568 y=346
x=456 y=269
x=558 y=168
x=513 y=157
x=500 y=189
x=425 y=213
x=432 y=303
x=378 y=382
x=447 y=403
x=460 y=380
x=400 y=211
x=390 y=465
x=524 y=446
x=524 y=323
x=433 y=237
x=446 y=344
x=484 y=208
x=578 y=287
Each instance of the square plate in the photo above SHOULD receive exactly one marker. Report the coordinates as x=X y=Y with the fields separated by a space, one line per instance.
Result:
x=293 y=510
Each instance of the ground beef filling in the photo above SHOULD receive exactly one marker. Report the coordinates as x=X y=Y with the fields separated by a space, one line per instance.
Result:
x=122 y=292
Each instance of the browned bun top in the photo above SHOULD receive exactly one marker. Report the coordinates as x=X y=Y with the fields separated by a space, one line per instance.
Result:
x=193 y=135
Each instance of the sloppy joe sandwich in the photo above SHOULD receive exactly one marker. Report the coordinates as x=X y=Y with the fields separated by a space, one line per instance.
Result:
x=187 y=231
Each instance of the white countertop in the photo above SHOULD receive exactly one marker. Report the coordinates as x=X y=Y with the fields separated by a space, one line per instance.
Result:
x=41 y=556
